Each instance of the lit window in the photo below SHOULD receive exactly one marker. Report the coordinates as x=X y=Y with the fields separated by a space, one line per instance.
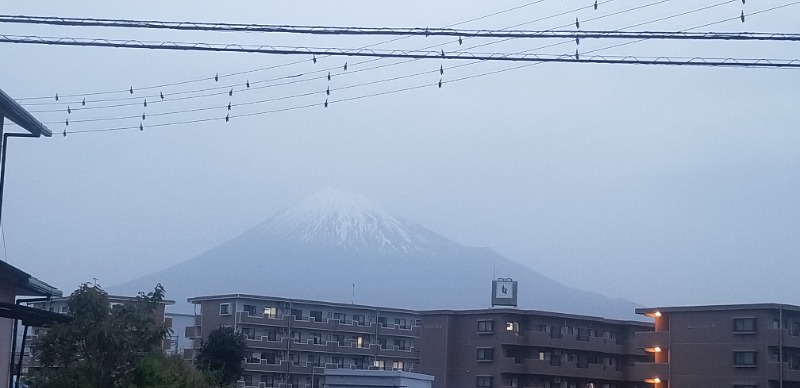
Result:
x=485 y=326
x=483 y=381
x=398 y=365
x=744 y=325
x=270 y=312
x=380 y=364
x=512 y=326
x=485 y=354
x=747 y=358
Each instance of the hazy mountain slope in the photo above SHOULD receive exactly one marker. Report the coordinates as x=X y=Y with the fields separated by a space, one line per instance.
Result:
x=333 y=239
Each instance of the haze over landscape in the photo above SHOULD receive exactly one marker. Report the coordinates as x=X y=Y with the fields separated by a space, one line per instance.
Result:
x=341 y=247
x=594 y=185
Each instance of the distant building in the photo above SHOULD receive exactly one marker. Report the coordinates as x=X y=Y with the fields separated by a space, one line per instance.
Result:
x=505 y=347
x=59 y=305
x=725 y=346
x=179 y=322
x=293 y=342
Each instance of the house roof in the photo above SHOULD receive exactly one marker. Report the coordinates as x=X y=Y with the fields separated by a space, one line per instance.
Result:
x=30 y=316
x=25 y=284
x=16 y=113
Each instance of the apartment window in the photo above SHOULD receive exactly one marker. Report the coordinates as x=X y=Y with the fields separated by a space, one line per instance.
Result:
x=249 y=333
x=359 y=341
x=744 y=325
x=340 y=317
x=485 y=354
x=317 y=338
x=398 y=365
x=400 y=344
x=270 y=312
x=250 y=309
x=485 y=326
x=297 y=336
x=224 y=309
x=512 y=326
x=400 y=322
x=380 y=364
x=271 y=335
x=744 y=358
x=313 y=360
x=316 y=315
x=484 y=381
x=359 y=319
x=268 y=380
x=339 y=361
x=248 y=380
x=382 y=342
x=297 y=314
x=295 y=359
x=382 y=321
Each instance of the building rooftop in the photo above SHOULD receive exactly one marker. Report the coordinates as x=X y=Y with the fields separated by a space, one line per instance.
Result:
x=536 y=312
x=198 y=299
x=24 y=283
x=718 y=307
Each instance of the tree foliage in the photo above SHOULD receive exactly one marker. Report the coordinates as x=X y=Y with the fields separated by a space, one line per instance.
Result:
x=168 y=371
x=102 y=346
x=221 y=354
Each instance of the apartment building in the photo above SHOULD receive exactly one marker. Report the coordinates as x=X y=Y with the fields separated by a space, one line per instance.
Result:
x=60 y=305
x=291 y=342
x=504 y=347
x=724 y=346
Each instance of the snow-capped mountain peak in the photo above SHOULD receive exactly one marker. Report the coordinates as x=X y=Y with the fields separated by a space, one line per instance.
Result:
x=348 y=220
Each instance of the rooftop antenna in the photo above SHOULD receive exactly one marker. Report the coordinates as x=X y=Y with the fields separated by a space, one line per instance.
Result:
x=353 y=295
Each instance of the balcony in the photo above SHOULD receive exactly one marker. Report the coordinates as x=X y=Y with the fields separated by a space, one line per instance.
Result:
x=650 y=339
x=263 y=343
x=789 y=374
x=335 y=347
x=263 y=366
x=774 y=338
x=647 y=370
x=398 y=331
x=564 y=368
x=260 y=319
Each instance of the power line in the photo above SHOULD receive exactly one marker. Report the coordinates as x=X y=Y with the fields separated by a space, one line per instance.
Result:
x=196 y=80
x=403 y=31
x=370 y=95
x=456 y=55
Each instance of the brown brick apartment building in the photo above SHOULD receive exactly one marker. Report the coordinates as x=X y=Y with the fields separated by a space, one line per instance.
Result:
x=291 y=342
x=725 y=346
x=493 y=348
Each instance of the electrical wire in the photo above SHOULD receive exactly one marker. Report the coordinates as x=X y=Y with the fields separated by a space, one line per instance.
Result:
x=420 y=86
x=185 y=82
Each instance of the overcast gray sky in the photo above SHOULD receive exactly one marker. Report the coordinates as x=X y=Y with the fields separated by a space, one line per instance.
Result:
x=663 y=185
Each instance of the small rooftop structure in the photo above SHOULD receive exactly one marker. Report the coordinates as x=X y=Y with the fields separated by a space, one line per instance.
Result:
x=358 y=378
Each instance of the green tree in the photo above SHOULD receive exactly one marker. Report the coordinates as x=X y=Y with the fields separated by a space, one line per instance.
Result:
x=221 y=354
x=168 y=371
x=101 y=346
